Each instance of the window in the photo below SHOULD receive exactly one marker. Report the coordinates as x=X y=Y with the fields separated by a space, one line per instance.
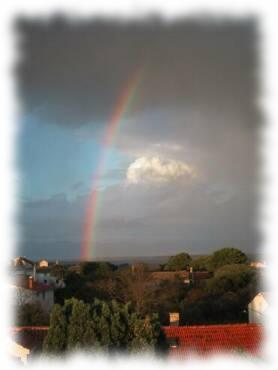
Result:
x=172 y=342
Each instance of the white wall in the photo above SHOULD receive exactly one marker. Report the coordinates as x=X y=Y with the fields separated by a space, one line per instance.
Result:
x=257 y=309
x=22 y=296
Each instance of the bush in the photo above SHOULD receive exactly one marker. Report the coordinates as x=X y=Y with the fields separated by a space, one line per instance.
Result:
x=31 y=314
x=202 y=263
x=106 y=326
x=178 y=262
x=227 y=256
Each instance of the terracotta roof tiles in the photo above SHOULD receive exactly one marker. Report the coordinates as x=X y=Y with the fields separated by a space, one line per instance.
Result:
x=208 y=339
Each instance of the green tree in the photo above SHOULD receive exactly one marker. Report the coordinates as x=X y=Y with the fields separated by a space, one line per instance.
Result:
x=92 y=270
x=102 y=319
x=58 y=271
x=193 y=307
x=202 y=263
x=119 y=325
x=75 y=287
x=231 y=278
x=31 y=314
x=166 y=297
x=80 y=328
x=136 y=287
x=104 y=269
x=227 y=256
x=224 y=299
x=107 y=326
x=107 y=288
x=235 y=268
x=145 y=334
x=178 y=262
x=56 y=339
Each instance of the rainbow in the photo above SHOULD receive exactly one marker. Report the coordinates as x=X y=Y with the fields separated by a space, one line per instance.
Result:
x=123 y=103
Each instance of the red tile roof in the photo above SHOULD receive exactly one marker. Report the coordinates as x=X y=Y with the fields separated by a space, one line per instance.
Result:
x=171 y=275
x=201 y=340
x=199 y=275
x=40 y=287
x=30 y=337
x=17 y=329
x=209 y=339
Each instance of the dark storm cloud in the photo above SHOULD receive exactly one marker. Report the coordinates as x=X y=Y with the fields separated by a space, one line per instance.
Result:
x=136 y=220
x=177 y=216
x=75 y=71
x=54 y=218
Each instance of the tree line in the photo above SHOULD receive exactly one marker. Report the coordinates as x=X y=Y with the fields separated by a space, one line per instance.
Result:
x=101 y=326
x=124 y=307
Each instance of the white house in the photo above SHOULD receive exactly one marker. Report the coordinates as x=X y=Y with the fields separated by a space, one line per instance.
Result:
x=30 y=291
x=47 y=278
x=24 y=267
x=258 y=264
x=43 y=263
x=258 y=307
x=17 y=351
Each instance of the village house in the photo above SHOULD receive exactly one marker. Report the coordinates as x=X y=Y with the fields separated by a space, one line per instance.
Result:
x=18 y=351
x=188 y=277
x=258 y=264
x=47 y=278
x=26 y=341
x=31 y=286
x=27 y=290
x=43 y=263
x=258 y=308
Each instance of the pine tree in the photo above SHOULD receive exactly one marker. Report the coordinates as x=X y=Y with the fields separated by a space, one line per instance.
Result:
x=56 y=339
x=118 y=326
x=81 y=333
x=100 y=325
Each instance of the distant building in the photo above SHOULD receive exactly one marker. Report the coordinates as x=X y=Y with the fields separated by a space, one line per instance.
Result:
x=258 y=264
x=258 y=308
x=24 y=268
x=169 y=275
x=204 y=340
x=16 y=261
x=174 y=318
x=188 y=277
x=47 y=278
x=43 y=263
x=27 y=290
x=30 y=338
x=17 y=351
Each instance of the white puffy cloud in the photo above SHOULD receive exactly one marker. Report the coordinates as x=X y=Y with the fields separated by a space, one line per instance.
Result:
x=153 y=169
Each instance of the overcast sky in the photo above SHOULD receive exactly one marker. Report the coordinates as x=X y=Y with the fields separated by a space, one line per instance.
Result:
x=181 y=174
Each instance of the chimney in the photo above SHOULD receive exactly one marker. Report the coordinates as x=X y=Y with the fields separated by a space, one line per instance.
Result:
x=34 y=272
x=30 y=282
x=174 y=319
x=191 y=275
